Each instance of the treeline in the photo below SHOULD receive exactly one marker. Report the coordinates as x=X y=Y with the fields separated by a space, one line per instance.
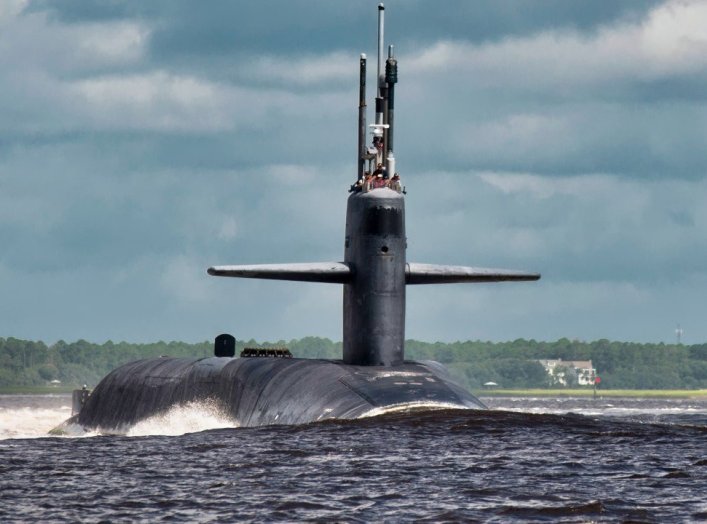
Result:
x=621 y=365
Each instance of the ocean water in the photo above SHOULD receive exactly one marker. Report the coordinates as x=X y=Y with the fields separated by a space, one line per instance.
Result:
x=527 y=460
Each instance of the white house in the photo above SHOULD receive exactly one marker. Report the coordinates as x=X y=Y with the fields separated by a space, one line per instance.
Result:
x=582 y=370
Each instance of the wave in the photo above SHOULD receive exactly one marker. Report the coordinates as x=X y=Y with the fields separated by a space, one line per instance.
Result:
x=30 y=421
x=33 y=416
x=189 y=418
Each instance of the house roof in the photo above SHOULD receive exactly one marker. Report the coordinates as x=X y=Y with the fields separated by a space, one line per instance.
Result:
x=579 y=364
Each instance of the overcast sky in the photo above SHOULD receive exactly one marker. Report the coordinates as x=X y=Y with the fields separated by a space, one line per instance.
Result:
x=141 y=142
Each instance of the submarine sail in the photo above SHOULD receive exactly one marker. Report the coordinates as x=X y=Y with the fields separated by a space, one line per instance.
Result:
x=373 y=374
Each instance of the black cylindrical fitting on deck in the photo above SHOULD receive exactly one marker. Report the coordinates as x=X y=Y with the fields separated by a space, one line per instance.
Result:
x=391 y=121
x=384 y=104
x=391 y=77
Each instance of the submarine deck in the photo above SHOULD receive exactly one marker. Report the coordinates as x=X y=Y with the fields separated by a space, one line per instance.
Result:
x=264 y=391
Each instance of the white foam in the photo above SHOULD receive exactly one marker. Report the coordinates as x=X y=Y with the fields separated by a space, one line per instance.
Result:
x=25 y=416
x=30 y=422
x=590 y=407
x=189 y=418
x=408 y=406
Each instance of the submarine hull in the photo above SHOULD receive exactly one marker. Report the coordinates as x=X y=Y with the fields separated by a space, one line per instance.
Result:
x=265 y=391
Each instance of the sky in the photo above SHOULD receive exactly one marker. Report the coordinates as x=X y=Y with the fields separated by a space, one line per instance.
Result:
x=142 y=142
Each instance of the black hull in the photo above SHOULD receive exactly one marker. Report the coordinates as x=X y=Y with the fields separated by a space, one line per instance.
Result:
x=263 y=391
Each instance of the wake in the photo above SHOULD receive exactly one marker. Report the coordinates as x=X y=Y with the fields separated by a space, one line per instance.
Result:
x=42 y=416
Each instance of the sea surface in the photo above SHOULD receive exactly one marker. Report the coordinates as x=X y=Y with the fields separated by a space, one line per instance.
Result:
x=527 y=460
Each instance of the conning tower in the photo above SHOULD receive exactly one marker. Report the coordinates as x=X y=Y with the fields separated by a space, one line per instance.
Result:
x=374 y=297
x=375 y=271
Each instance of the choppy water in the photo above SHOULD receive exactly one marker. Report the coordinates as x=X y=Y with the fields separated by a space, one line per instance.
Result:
x=569 y=460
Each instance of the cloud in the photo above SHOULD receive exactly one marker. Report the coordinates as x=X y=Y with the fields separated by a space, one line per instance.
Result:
x=10 y=9
x=143 y=142
x=621 y=99
x=156 y=101
x=32 y=42
x=42 y=60
x=589 y=228
x=229 y=229
x=305 y=70
x=97 y=75
x=185 y=280
x=550 y=309
x=669 y=41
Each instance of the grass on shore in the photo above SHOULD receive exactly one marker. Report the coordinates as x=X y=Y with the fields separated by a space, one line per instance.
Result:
x=636 y=393
x=36 y=390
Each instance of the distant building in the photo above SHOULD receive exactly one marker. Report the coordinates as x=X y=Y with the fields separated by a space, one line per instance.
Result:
x=568 y=372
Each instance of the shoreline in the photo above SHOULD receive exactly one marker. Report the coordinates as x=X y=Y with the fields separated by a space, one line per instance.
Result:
x=629 y=393
x=37 y=390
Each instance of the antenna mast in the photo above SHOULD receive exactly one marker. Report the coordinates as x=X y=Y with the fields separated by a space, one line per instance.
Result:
x=361 y=116
x=678 y=334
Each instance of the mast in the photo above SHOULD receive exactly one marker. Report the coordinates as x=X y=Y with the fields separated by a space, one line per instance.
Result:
x=391 y=78
x=380 y=79
x=361 y=115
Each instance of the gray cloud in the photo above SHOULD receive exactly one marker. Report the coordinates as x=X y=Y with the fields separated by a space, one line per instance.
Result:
x=142 y=142
x=227 y=26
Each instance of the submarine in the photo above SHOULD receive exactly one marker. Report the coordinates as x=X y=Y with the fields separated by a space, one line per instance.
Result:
x=270 y=386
